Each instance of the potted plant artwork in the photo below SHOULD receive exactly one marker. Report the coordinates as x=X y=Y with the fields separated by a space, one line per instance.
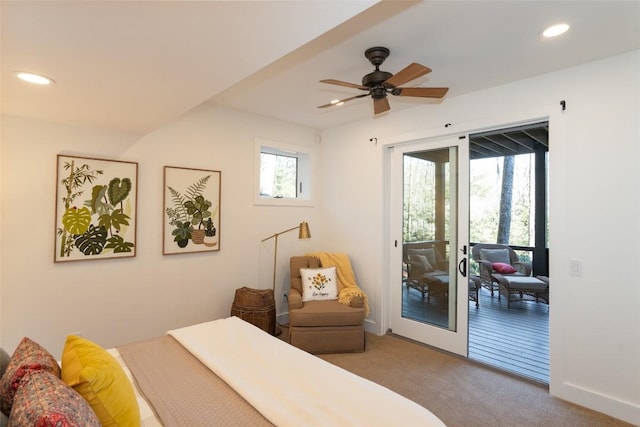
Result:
x=210 y=229
x=191 y=214
x=94 y=209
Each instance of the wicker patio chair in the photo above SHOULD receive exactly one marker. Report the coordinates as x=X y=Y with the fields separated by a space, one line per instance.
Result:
x=488 y=255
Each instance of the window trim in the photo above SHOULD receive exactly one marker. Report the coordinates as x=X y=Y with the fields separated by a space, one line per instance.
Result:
x=306 y=161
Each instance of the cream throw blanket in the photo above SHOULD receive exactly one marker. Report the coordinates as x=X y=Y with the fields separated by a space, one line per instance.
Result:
x=347 y=286
x=291 y=387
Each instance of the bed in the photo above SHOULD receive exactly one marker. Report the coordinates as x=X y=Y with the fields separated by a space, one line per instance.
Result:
x=229 y=372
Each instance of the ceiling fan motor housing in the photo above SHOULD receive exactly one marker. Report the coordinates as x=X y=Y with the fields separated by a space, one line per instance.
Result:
x=376 y=78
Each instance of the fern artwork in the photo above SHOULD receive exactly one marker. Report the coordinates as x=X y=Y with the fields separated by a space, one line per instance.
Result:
x=96 y=204
x=191 y=210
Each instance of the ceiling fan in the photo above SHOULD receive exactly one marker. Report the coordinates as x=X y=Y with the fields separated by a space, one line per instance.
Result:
x=379 y=83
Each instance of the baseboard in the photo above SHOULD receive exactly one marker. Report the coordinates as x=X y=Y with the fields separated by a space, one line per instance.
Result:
x=622 y=410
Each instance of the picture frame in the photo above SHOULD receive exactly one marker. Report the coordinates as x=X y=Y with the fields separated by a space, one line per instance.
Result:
x=191 y=210
x=96 y=209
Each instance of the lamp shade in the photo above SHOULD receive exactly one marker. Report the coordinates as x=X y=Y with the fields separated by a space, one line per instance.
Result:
x=304 y=232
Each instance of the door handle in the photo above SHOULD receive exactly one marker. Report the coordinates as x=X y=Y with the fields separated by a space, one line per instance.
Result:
x=462 y=267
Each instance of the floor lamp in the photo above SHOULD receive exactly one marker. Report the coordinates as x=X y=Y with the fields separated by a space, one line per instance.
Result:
x=303 y=233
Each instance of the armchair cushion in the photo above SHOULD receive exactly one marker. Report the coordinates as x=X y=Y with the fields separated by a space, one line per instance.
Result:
x=319 y=284
x=326 y=313
x=502 y=267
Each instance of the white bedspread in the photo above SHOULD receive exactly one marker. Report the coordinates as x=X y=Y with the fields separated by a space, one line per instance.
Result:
x=291 y=387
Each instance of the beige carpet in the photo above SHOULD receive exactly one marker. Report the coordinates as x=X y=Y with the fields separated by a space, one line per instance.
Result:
x=460 y=392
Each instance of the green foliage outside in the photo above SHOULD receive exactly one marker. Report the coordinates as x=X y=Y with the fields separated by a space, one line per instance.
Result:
x=278 y=176
x=419 y=200
x=485 y=183
x=484 y=204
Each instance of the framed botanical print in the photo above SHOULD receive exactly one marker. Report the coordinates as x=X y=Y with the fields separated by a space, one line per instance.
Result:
x=96 y=208
x=191 y=210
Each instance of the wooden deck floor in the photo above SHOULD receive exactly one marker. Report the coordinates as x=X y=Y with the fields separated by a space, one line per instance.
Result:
x=514 y=339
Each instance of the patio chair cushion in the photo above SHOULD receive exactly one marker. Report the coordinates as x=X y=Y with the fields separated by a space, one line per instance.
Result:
x=525 y=283
x=428 y=253
x=422 y=261
x=496 y=255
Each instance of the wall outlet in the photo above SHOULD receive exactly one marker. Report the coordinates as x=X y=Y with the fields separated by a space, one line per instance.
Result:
x=285 y=296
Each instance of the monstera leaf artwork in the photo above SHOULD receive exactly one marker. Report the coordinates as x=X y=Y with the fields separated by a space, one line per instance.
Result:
x=96 y=205
x=192 y=210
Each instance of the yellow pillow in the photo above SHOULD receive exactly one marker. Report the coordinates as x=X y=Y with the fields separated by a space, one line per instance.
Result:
x=98 y=377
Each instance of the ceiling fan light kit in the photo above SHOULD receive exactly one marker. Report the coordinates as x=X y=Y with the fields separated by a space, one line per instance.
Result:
x=379 y=83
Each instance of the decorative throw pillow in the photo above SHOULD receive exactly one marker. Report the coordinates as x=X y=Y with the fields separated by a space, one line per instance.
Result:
x=503 y=268
x=495 y=255
x=43 y=399
x=28 y=356
x=319 y=284
x=98 y=377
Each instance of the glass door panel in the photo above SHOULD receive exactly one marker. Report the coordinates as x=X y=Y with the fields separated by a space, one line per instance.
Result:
x=427 y=211
x=427 y=198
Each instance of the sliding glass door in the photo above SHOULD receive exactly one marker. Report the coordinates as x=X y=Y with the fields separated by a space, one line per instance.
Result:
x=428 y=188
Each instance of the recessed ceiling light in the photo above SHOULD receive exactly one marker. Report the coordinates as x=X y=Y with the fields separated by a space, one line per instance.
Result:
x=34 y=78
x=556 y=30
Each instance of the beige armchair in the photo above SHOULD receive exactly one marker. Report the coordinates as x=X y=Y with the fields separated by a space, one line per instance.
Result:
x=323 y=326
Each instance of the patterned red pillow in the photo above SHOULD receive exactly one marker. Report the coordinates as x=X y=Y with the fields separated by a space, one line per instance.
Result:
x=503 y=268
x=45 y=400
x=28 y=356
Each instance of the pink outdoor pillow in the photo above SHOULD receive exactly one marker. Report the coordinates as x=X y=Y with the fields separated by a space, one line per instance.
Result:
x=503 y=268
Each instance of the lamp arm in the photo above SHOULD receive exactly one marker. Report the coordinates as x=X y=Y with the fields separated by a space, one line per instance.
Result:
x=281 y=232
x=304 y=234
x=275 y=253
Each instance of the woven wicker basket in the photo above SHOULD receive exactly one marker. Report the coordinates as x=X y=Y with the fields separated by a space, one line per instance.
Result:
x=257 y=307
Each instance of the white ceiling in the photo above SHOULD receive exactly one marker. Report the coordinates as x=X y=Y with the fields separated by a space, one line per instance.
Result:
x=134 y=66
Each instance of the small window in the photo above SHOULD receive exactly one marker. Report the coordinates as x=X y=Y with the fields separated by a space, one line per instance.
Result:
x=283 y=176
x=278 y=174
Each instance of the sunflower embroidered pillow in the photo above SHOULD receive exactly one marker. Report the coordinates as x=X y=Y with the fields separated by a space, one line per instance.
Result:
x=319 y=284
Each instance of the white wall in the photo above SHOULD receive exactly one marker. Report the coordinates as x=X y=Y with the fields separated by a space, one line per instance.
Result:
x=122 y=300
x=595 y=198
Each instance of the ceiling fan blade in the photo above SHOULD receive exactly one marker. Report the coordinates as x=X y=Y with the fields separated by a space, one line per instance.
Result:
x=423 y=92
x=346 y=84
x=408 y=73
x=381 y=105
x=342 y=101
